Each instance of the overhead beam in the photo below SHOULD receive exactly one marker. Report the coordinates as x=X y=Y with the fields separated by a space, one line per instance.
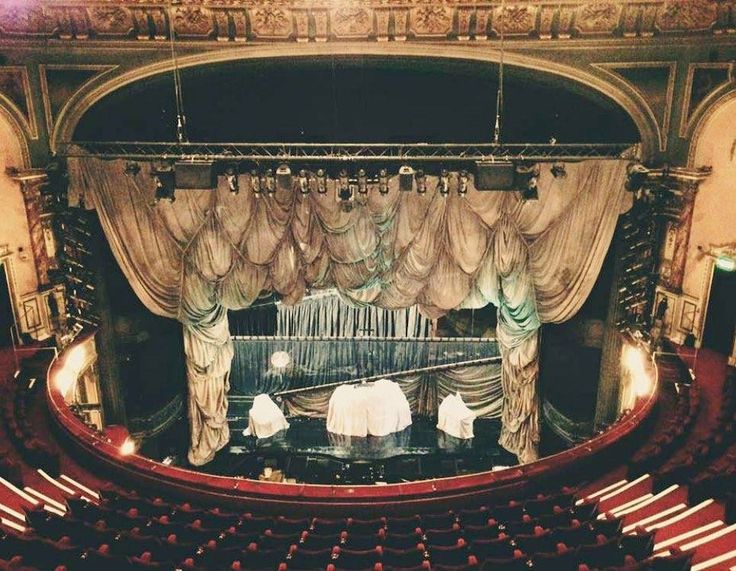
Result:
x=347 y=152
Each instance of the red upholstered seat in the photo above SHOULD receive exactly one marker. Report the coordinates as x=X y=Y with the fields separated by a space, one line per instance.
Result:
x=403 y=557
x=402 y=540
x=500 y=548
x=403 y=524
x=455 y=555
x=306 y=559
x=357 y=559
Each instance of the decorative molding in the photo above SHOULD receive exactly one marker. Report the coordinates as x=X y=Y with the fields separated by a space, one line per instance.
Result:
x=663 y=118
x=431 y=21
x=15 y=92
x=686 y=16
x=320 y=20
x=689 y=115
x=51 y=107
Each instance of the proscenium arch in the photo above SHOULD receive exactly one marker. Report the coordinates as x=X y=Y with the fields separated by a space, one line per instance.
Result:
x=83 y=100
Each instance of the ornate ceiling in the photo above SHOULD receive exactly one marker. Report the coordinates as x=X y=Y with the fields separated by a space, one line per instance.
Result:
x=380 y=20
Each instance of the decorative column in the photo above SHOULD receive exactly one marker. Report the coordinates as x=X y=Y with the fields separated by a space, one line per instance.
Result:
x=609 y=380
x=676 y=189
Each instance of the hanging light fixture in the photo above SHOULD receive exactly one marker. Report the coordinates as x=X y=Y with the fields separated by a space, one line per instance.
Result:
x=443 y=183
x=421 y=180
x=321 y=181
x=269 y=182
x=462 y=188
x=383 y=181
x=255 y=183
x=231 y=177
x=303 y=182
x=362 y=182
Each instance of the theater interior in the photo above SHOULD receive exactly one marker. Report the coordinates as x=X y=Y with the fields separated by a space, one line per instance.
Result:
x=367 y=285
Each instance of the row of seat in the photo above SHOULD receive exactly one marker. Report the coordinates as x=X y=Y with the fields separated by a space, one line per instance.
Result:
x=21 y=430
x=688 y=462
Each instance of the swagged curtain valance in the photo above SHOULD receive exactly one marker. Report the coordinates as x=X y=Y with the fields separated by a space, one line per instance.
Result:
x=208 y=252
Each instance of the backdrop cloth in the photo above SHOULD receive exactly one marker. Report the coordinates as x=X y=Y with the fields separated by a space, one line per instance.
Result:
x=328 y=315
x=316 y=362
x=208 y=252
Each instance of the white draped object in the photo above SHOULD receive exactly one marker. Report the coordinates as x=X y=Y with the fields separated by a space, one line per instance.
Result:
x=207 y=252
x=265 y=418
x=455 y=418
x=374 y=409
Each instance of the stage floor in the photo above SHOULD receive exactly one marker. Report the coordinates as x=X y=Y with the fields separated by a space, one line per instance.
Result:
x=306 y=452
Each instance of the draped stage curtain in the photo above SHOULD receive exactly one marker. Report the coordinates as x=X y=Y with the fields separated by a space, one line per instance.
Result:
x=479 y=385
x=207 y=252
x=316 y=362
x=328 y=315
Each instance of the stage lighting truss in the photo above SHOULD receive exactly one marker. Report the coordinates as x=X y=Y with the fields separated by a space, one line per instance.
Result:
x=301 y=153
x=356 y=168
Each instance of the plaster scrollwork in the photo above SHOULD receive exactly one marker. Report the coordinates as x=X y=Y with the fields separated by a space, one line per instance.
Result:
x=271 y=21
x=431 y=20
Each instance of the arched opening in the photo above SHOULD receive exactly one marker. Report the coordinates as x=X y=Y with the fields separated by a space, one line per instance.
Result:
x=358 y=99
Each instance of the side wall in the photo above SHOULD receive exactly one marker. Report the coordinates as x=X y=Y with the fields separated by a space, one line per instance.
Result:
x=714 y=218
x=15 y=241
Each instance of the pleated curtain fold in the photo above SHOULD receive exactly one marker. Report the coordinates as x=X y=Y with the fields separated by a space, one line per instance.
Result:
x=210 y=251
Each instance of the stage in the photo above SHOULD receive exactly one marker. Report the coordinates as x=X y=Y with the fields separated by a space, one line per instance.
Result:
x=306 y=452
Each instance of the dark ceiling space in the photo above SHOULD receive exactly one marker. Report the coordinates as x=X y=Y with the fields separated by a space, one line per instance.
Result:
x=397 y=100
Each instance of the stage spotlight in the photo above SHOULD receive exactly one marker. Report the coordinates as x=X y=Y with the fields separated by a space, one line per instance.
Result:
x=443 y=183
x=283 y=177
x=525 y=179
x=321 y=181
x=462 y=188
x=303 y=182
x=636 y=176
x=383 y=181
x=255 y=183
x=344 y=188
x=531 y=192
x=128 y=447
x=65 y=380
x=406 y=178
x=75 y=358
x=362 y=182
x=132 y=168
x=634 y=360
x=558 y=170
x=231 y=177
x=164 y=181
x=269 y=182
x=421 y=181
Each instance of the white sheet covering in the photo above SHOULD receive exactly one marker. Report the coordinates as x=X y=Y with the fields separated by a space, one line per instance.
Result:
x=265 y=418
x=455 y=418
x=375 y=409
